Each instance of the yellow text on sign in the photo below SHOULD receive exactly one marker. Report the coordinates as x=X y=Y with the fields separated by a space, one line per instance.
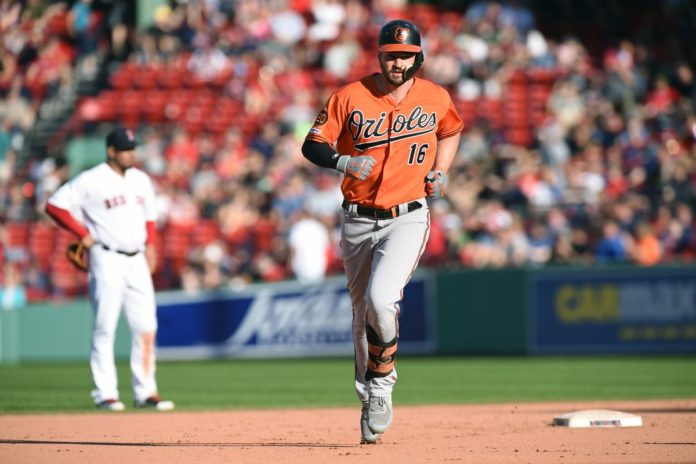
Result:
x=576 y=304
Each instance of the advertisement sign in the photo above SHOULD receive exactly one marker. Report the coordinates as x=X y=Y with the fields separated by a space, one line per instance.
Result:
x=613 y=310
x=277 y=320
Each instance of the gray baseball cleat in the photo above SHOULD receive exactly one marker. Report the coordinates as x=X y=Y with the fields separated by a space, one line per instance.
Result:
x=379 y=413
x=368 y=437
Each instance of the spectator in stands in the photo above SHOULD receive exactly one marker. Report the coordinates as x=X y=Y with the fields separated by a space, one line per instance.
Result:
x=540 y=244
x=678 y=239
x=190 y=279
x=684 y=82
x=17 y=207
x=182 y=155
x=183 y=210
x=79 y=26
x=309 y=243
x=12 y=292
x=340 y=55
x=16 y=110
x=625 y=85
x=612 y=246
x=147 y=53
x=212 y=262
x=48 y=175
x=150 y=153
x=51 y=71
x=7 y=154
x=208 y=62
x=10 y=12
x=566 y=104
x=646 y=250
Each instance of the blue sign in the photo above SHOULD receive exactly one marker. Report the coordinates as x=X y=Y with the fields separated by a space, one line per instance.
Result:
x=287 y=319
x=613 y=310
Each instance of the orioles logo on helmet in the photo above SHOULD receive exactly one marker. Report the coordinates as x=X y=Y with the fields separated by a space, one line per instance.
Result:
x=401 y=34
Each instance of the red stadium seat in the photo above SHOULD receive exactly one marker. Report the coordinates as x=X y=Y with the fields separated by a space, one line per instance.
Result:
x=155 y=105
x=541 y=75
x=124 y=77
x=521 y=137
x=58 y=24
x=131 y=106
x=170 y=78
x=108 y=103
x=17 y=234
x=145 y=77
x=42 y=240
x=177 y=245
x=205 y=232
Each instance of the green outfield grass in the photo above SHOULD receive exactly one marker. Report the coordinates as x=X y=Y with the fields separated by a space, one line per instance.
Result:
x=234 y=384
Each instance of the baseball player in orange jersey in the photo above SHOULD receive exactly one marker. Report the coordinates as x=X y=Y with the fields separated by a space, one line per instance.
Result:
x=394 y=136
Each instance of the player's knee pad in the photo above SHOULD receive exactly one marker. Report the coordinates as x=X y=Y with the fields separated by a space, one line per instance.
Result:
x=381 y=355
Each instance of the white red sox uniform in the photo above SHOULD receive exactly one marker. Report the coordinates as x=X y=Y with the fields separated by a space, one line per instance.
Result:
x=115 y=210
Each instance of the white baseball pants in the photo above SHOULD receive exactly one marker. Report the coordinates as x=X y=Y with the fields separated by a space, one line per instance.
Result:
x=118 y=281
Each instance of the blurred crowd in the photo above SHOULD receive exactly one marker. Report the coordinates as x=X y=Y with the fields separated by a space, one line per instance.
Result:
x=566 y=158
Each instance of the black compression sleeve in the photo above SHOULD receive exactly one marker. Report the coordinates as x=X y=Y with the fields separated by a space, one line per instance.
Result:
x=320 y=154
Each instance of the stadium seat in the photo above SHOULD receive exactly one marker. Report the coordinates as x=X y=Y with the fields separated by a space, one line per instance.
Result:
x=205 y=232
x=42 y=238
x=170 y=78
x=145 y=77
x=130 y=106
x=177 y=245
x=17 y=234
x=155 y=105
x=124 y=77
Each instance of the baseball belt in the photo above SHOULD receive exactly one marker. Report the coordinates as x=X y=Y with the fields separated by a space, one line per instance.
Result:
x=127 y=253
x=390 y=213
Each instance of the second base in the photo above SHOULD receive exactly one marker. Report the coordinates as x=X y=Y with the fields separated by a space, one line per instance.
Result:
x=598 y=418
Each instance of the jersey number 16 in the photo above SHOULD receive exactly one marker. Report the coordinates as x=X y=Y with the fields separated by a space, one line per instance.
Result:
x=417 y=154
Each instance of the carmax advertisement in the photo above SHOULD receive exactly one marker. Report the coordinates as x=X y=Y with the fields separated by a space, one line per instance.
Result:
x=613 y=310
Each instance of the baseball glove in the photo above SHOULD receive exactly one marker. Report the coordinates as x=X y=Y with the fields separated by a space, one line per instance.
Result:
x=76 y=254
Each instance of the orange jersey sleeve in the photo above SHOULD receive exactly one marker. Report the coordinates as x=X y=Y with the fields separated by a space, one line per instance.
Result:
x=359 y=119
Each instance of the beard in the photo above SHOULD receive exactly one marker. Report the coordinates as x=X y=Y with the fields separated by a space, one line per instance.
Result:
x=394 y=76
x=124 y=166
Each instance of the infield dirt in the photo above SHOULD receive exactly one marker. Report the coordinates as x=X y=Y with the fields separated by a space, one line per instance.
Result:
x=481 y=434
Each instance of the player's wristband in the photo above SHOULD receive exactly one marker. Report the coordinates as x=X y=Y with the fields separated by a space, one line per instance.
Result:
x=342 y=163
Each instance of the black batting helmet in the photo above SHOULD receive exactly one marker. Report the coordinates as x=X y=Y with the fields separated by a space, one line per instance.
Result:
x=402 y=36
x=399 y=36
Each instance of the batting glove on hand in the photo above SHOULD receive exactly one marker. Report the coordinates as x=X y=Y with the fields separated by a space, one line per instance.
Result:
x=435 y=183
x=358 y=167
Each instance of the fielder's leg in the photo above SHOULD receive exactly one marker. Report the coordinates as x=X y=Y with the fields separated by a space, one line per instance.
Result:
x=106 y=297
x=140 y=307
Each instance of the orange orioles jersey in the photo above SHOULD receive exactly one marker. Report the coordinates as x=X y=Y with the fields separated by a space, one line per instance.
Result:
x=359 y=119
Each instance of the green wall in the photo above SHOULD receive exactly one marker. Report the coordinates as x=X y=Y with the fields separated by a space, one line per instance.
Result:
x=481 y=311
x=61 y=331
x=146 y=12
x=83 y=153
